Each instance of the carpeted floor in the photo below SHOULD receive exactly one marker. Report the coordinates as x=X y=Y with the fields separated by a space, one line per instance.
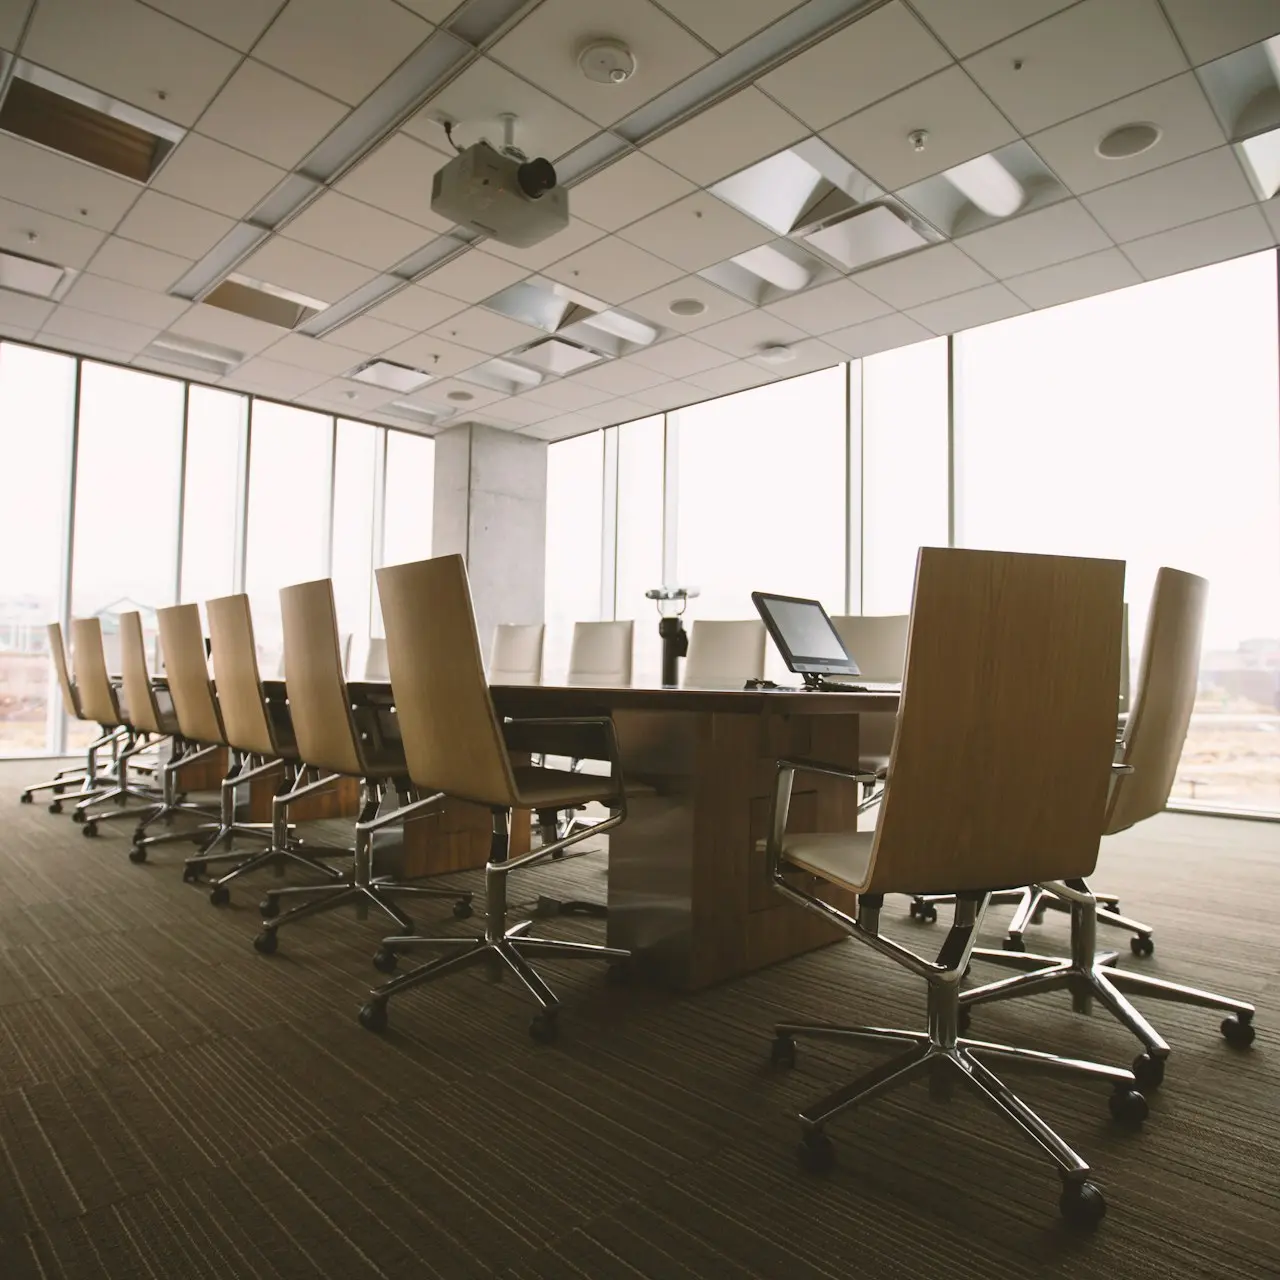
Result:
x=174 y=1105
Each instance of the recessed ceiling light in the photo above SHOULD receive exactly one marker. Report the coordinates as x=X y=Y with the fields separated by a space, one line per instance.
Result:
x=392 y=377
x=30 y=275
x=988 y=185
x=868 y=236
x=1128 y=140
x=204 y=356
x=687 y=307
x=553 y=355
x=771 y=264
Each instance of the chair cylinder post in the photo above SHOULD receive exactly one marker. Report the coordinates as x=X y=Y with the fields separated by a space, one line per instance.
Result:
x=495 y=877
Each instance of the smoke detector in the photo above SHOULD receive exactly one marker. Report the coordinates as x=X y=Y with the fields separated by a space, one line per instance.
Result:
x=776 y=353
x=607 y=62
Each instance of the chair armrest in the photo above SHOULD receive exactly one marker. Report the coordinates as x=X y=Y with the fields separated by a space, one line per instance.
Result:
x=780 y=805
x=580 y=737
x=830 y=770
x=1118 y=768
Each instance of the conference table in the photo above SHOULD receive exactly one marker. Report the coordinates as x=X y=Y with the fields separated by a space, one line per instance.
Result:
x=688 y=889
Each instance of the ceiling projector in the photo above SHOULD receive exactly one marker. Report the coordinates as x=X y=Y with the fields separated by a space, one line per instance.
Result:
x=511 y=199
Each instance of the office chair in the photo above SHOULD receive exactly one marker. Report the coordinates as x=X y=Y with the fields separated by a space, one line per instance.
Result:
x=86 y=777
x=601 y=654
x=1038 y=638
x=1154 y=734
x=453 y=743
x=375 y=660
x=725 y=653
x=516 y=657
x=331 y=746
x=146 y=715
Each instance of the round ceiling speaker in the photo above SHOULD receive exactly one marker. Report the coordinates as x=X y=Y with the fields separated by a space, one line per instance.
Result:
x=1127 y=141
x=776 y=353
x=687 y=307
x=607 y=62
x=460 y=395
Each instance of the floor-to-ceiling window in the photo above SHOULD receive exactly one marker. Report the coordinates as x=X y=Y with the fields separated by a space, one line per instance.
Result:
x=217 y=423
x=638 y=563
x=355 y=468
x=37 y=403
x=1143 y=425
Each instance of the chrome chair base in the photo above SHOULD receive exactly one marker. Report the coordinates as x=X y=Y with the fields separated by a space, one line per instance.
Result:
x=1089 y=974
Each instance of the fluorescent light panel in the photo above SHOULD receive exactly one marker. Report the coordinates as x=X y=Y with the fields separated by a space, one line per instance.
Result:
x=205 y=356
x=391 y=376
x=552 y=355
x=1261 y=156
x=868 y=236
x=31 y=275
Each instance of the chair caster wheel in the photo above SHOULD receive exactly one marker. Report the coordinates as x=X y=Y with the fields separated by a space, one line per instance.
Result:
x=1142 y=945
x=1128 y=1107
x=817 y=1152
x=266 y=942
x=373 y=1015
x=462 y=910
x=1013 y=943
x=55 y=806
x=90 y=829
x=782 y=1053
x=269 y=907
x=26 y=798
x=77 y=815
x=543 y=1026
x=546 y=907
x=137 y=854
x=191 y=874
x=385 y=960
x=923 y=912
x=1148 y=1072
x=1237 y=1029
x=219 y=895
x=964 y=1019
x=618 y=974
x=1082 y=1205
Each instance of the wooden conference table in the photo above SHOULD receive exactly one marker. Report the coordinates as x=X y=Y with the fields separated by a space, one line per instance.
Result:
x=688 y=890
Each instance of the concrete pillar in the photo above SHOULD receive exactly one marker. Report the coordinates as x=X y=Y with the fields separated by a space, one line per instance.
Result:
x=491 y=506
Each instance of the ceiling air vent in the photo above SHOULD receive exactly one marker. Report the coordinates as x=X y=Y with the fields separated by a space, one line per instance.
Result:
x=54 y=112
x=30 y=275
x=262 y=301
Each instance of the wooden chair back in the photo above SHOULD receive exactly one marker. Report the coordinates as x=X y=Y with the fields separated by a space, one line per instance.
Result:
x=1002 y=758
x=452 y=739
x=139 y=695
x=517 y=653
x=319 y=704
x=187 y=667
x=89 y=662
x=601 y=654
x=235 y=668
x=1168 y=675
x=725 y=653
x=59 y=654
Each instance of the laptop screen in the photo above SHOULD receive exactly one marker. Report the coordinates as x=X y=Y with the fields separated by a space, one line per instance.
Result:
x=804 y=635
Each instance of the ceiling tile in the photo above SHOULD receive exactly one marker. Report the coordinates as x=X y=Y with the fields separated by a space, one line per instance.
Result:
x=485 y=330
x=112 y=298
x=696 y=232
x=20 y=311
x=57 y=184
x=303 y=269
x=272 y=378
x=807 y=356
x=562 y=426
x=474 y=276
x=717 y=304
x=830 y=306
x=131 y=52
x=269 y=115
x=739 y=375
x=461 y=397
x=628 y=189
x=620 y=377
x=1183 y=192
x=13 y=15
x=432 y=10
x=521 y=411
x=370 y=335
x=1080 y=278
x=615 y=412
x=680 y=357
x=434 y=355
x=744 y=335
x=969 y=310
x=58 y=240
x=1214 y=240
x=544 y=47
x=958 y=117
x=355 y=231
x=226 y=329
x=416 y=308
x=613 y=270
x=670 y=395
x=314 y=41
x=577 y=235
x=1207 y=31
x=1035 y=240
x=139 y=264
x=19 y=333
x=963 y=28
x=921 y=277
x=1177 y=106
x=569 y=396
x=105 y=331
x=347 y=397
x=397 y=177
x=216 y=176
x=174 y=225
x=883 y=334
x=172 y=369
x=724 y=25
x=313 y=353
x=1087 y=55
x=727 y=137
x=475 y=100
x=872 y=57
x=235 y=22
x=1271 y=209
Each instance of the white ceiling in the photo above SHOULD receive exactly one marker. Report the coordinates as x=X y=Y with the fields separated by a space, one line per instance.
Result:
x=260 y=83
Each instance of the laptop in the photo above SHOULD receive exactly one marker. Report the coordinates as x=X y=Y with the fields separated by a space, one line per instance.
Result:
x=811 y=646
